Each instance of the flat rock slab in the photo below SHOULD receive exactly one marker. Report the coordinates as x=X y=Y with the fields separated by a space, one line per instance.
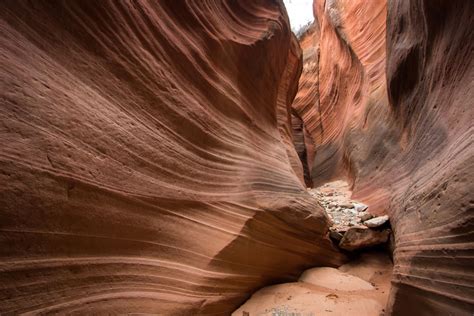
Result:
x=362 y=237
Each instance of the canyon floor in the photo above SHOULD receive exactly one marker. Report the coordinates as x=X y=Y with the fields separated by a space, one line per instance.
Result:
x=359 y=287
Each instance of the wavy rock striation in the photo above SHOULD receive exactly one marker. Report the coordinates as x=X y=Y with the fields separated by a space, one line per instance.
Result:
x=408 y=152
x=147 y=162
x=430 y=75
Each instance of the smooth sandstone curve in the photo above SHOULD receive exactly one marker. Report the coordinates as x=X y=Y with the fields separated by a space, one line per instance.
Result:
x=147 y=162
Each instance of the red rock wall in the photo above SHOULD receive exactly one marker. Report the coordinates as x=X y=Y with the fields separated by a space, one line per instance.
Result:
x=306 y=102
x=430 y=77
x=146 y=161
x=343 y=76
x=408 y=152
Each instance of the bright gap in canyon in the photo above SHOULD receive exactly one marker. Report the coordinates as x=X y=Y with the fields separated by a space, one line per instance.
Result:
x=237 y=157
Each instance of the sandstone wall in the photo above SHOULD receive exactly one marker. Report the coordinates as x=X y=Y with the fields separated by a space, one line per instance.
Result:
x=408 y=152
x=147 y=161
x=430 y=77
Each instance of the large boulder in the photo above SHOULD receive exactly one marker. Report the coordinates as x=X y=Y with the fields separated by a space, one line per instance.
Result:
x=360 y=237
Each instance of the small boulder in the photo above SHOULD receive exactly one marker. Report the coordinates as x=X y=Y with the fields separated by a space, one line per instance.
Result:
x=358 y=237
x=376 y=221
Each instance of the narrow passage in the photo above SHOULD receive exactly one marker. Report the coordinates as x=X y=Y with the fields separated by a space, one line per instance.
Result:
x=359 y=287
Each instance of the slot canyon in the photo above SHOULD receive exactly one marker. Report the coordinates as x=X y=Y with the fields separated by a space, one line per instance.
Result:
x=185 y=157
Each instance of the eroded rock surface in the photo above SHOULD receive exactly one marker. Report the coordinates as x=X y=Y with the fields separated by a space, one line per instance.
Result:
x=147 y=163
x=385 y=99
x=148 y=160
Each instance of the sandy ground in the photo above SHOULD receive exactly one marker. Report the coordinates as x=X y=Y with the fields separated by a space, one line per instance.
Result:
x=360 y=287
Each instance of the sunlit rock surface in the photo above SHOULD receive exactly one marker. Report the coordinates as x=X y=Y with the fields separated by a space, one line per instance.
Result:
x=408 y=152
x=147 y=162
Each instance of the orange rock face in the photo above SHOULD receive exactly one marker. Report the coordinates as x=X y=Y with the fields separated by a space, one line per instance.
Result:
x=147 y=162
x=408 y=152
x=343 y=79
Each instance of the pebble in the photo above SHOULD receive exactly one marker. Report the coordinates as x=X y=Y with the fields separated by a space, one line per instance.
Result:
x=360 y=207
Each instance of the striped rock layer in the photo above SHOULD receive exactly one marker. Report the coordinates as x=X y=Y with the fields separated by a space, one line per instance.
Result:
x=386 y=101
x=147 y=160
